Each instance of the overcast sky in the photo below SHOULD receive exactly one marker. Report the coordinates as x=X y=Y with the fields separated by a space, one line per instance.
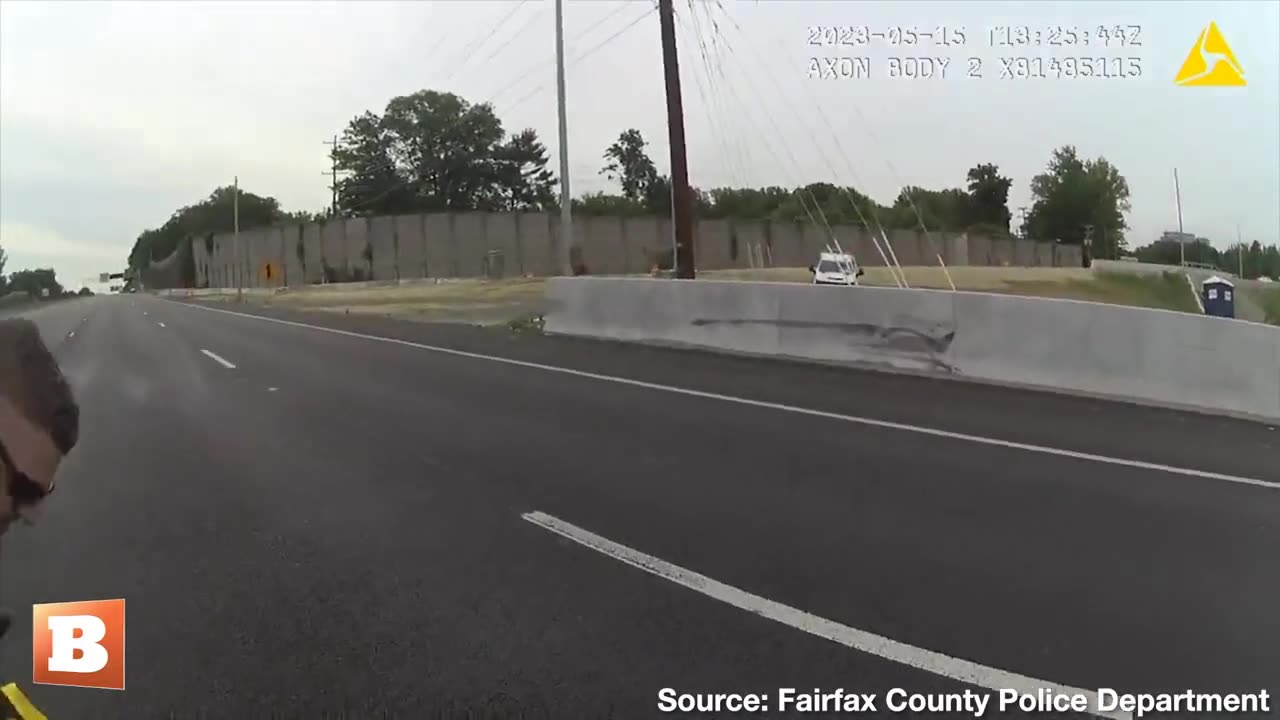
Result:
x=112 y=115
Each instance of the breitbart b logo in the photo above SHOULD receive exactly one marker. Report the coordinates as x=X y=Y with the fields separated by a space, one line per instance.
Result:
x=79 y=644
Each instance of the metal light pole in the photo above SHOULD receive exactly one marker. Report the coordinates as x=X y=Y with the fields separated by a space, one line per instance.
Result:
x=235 y=237
x=1240 y=251
x=1182 y=241
x=566 y=199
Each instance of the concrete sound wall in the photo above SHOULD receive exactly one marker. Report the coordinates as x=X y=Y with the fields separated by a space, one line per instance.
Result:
x=643 y=240
x=294 y=255
x=411 y=257
x=1154 y=356
x=382 y=243
x=455 y=245
x=313 y=254
x=537 y=245
x=441 y=255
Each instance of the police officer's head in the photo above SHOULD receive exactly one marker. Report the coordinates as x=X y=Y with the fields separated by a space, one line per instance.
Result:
x=39 y=419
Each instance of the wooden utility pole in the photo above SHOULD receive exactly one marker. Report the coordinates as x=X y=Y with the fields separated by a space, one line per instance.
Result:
x=681 y=209
x=333 y=157
x=566 y=197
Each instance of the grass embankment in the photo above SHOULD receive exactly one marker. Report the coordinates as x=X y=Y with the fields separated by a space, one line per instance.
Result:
x=504 y=301
x=1269 y=301
x=1167 y=291
x=469 y=301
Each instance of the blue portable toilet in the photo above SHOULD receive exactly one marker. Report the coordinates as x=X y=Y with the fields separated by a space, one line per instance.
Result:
x=1219 y=297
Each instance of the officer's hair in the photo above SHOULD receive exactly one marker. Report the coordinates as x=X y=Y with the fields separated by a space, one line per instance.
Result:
x=31 y=379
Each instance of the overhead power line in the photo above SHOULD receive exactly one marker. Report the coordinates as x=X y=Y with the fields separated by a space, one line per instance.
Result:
x=886 y=252
x=543 y=65
x=711 y=106
x=469 y=51
x=334 y=173
x=518 y=33
x=794 y=169
x=581 y=57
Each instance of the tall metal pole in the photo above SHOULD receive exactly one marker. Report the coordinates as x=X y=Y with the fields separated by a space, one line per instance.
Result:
x=682 y=212
x=1240 y=251
x=566 y=199
x=235 y=237
x=1182 y=241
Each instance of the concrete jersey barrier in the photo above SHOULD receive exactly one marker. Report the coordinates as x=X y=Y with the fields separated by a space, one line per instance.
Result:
x=1156 y=356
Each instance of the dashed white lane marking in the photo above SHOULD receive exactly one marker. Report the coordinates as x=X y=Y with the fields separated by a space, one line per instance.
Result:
x=871 y=422
x=160 y=324
x=71 y=334
x=272 y=389
x=946 y=666
x=219 y=359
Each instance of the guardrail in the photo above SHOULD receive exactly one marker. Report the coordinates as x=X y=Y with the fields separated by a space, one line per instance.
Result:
x=1153 y=356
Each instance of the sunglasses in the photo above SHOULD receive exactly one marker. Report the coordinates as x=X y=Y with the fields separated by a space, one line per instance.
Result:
x=24 y=491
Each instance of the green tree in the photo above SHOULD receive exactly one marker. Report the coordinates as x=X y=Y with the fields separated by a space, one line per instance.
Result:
x=989 y=197
x=657 y=197
x=1270 y=264
x=434 y=151
x=605 y=204
x=522 y=180
x=372 y=182
x=950 y=209
x=303 y=216
x=628 y=163
x=214 y=214
x=41 y=282
x=4 y=258
x=1257 y=260
x=1171 y=252
x=746 y=203
x=1073 y=195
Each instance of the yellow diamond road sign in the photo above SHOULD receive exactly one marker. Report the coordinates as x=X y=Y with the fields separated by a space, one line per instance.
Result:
x=1210 y=62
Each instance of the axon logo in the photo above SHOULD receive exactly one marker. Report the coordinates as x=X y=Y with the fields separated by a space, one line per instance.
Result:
x=79 y=644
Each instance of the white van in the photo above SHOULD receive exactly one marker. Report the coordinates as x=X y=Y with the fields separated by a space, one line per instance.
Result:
x=835 y=269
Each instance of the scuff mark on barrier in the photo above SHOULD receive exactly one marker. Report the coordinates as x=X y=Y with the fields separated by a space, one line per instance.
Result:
x=923 y=345
x=937 y=343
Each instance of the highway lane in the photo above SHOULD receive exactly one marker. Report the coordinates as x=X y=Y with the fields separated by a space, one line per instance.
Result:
x=57 y=321
x=1082 y=424
x=335 y=525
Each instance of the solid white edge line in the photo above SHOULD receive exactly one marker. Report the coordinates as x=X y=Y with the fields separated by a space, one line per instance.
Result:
x=929 y=661
x=1194 y=293
x=219 y=359
x=872 y=422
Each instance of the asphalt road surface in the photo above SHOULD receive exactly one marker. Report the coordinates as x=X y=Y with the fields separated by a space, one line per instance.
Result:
x=471 y=523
